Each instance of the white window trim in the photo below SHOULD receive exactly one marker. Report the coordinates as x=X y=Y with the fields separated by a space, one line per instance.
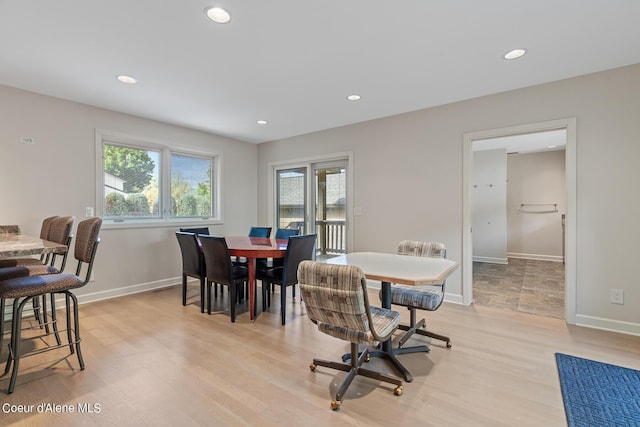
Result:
x=167 y=148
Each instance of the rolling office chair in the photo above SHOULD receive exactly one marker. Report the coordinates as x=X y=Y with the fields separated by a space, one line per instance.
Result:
x=427 y=298
x=337 y=301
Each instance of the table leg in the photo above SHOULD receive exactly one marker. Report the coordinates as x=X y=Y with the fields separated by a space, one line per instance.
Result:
x=252 y=287
x=386 y=349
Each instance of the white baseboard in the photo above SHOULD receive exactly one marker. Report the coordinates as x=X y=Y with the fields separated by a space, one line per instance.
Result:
x=608 y=324
x=538 y=257
x=490 y=260
x=454 y=299
x=127 y=290
x=103 y=295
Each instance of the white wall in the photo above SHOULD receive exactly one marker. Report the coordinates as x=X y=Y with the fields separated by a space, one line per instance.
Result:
x=408 y=178
x=489 y=204
x=533 y=231
x=56 y=176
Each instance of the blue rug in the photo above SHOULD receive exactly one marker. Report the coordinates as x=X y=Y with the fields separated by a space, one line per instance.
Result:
x=598 y=394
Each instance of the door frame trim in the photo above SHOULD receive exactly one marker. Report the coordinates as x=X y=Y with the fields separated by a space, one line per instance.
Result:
x=570 y=125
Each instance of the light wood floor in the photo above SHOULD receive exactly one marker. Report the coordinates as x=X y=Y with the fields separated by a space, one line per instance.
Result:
x=152 y=362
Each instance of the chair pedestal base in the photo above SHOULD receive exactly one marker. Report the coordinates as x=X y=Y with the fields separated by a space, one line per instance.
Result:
x=416 y=329
x=355 y=368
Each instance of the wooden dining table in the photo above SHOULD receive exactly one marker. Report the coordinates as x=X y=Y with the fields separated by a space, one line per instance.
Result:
x=253 y=248
x=12 y=245
x=394 y=268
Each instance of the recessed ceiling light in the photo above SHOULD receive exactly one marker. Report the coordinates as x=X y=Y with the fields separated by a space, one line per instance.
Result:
x=353 y=97
x=551 y=146
x=217 y=14
x=515 y=54
x=262 y=122
x=126 y=79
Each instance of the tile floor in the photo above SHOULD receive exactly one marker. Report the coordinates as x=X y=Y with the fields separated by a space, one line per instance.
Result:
x=529 y=286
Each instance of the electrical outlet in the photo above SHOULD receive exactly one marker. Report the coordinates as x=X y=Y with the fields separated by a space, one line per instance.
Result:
x=617 y=296
x=27 y=140
x=88 y=212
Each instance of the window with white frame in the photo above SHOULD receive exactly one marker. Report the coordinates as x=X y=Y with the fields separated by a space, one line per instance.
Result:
x=143 y=180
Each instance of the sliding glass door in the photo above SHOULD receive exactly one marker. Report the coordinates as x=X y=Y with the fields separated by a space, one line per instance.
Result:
x=313 y=198
x=330 y=195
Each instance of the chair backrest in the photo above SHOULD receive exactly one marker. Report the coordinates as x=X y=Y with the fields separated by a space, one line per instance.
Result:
x=87 y=240
x=428 y=250
x=336 y=299
x=285 y=233
x=424 y=249
x=217 y=259
x=60 y=232
x=197 y=230
x=300 y=248
x=260 y=232
x=192 y=257
x=46 y=227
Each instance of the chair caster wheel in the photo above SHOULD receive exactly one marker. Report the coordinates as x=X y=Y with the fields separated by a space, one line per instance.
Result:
x=335 y=405
x=398 y=390
x=449 y=344
x=312 y=367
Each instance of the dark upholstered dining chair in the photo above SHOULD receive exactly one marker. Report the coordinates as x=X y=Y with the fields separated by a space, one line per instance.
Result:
x=192 y=264
x=23 y=289
x=220 y=270
x=197 y=230
x=300 y=248
x=281 y=234
x=427 y=298
x=260 y=232
x=263 y=232
x=337 y=301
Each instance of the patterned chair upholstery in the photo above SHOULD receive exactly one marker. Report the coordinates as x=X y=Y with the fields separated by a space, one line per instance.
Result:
x=337 y=301
x=56 y=229
x=427 y=298
x=23 y=289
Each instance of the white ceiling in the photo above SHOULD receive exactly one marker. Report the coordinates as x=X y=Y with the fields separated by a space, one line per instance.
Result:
x=293 y=62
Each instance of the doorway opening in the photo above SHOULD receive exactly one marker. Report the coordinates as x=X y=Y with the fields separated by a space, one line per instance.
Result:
x=529 y=213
